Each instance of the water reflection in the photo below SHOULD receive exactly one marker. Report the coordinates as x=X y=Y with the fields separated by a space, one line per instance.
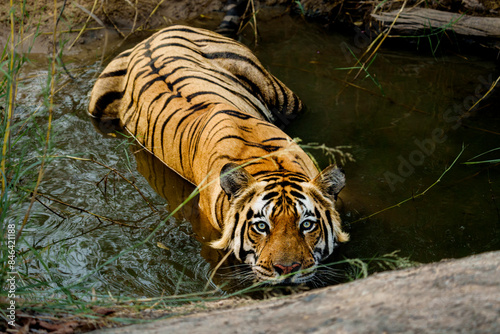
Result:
x=175 y=190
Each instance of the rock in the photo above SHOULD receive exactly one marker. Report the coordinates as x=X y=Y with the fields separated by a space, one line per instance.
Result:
x=453 y=296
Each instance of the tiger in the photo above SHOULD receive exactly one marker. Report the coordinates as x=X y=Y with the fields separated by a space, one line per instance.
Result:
x=205 y=106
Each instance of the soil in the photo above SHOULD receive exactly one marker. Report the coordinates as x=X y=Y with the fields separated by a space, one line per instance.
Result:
x=119 y=17
x=86 y=23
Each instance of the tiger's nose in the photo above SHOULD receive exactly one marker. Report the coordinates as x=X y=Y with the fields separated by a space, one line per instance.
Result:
x=284 y=270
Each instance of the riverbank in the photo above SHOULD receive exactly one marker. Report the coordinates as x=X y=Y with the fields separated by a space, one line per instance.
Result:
x=460 y=26
x=452 y=296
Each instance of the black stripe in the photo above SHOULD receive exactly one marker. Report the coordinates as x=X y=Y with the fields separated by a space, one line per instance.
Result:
x=234 y=113
x=164 y=125
x=216 y=77
x=162 y=109
x=234 y=56
x=267 y=148
x=164 y=38
x=298 y=179
x=104 y=101
x=254 y=89
x=242 y=253
x=270 y=186
x=297 y=194
x=270 y=195
x=284 y=104
x=124 y=54
x=193 y=110
x=275 y=139
x=112 y=74
x=278 y=175
x=193 y=138
x=148 y=84
x=216 y=157
x=200 y=93
x=269 y=176
x=183 y=46
x=292 y=185
x=131 y=103
x=326 y=250
x=218 y=84
x=149 y=115
x=217 y=41
x=249 y=214
x=220 y=201
x=196 y=32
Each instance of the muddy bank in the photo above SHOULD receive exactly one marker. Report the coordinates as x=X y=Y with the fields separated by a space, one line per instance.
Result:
x=459 y=296
x=87 y=24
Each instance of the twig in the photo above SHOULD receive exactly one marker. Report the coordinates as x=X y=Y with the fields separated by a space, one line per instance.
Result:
x=217 y=268
x=91 y=14
x=415 y=196
x=331 y=151
x=152 y=207
x=382 y=41
x=101 y=225
x=152 y=13
x=493 y=85
x=347 y=83
x=69 y=31
x=49 y=208
x=84 y=210
x=85 y=24
x=112 y=22
x=362 y=65
x=253 y=15
x=135 y=18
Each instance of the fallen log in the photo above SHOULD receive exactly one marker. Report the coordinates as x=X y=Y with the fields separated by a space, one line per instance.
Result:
x=422 y=20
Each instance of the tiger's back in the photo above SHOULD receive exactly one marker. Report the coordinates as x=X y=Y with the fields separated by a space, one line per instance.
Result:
x=196 y=65
x=202 y=103
x=186 y=92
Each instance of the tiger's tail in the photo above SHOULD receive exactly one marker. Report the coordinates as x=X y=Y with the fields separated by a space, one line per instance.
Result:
x=231 y=22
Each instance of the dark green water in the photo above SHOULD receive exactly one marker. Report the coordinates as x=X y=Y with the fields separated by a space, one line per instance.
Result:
x=403 y=132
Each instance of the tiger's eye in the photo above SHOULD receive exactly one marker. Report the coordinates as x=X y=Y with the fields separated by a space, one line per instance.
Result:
x=261 y=227
x=307 y=225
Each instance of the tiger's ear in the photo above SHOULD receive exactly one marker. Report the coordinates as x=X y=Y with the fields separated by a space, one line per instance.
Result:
x=234 y=178
x=330 y=181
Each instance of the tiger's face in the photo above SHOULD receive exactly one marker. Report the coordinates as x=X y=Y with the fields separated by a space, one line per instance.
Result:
x=283 y=224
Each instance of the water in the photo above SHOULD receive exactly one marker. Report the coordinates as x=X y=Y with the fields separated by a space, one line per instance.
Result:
x=400 y=123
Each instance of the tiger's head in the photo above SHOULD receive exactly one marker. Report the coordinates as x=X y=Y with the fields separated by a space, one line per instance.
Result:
x=281 y=223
